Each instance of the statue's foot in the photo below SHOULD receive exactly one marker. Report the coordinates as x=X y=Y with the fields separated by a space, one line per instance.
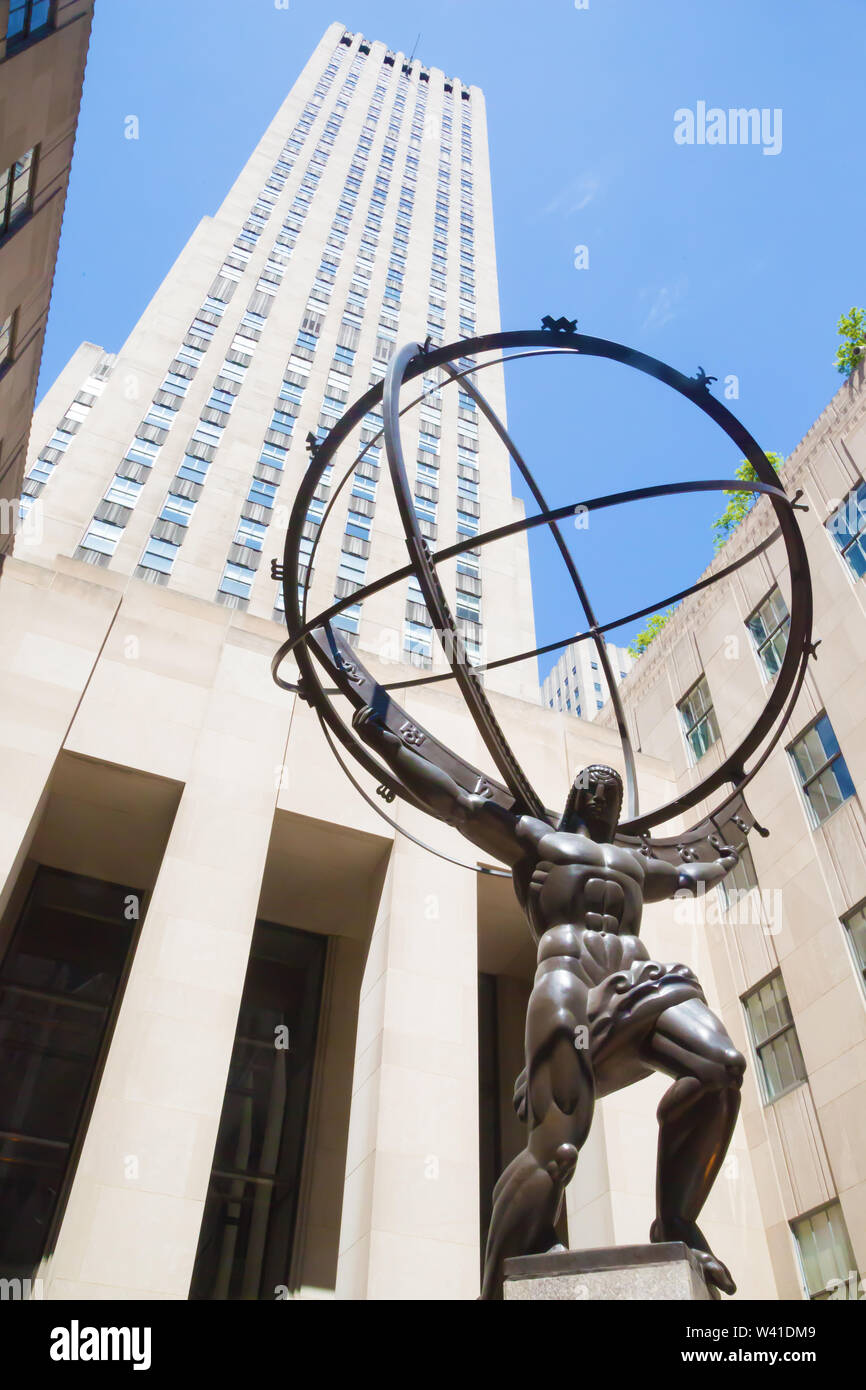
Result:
x=716 y=1273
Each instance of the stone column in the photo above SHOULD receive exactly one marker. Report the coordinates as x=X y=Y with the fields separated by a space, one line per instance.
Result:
x=132 y=1221
x=410 y=1207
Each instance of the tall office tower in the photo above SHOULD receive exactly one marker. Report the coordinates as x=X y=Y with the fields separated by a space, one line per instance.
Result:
x=362 y=219
x=577 y=685
x=43 y=49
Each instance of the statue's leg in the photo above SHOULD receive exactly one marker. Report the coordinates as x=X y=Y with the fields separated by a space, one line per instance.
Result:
x=560 y=1096
x=696 y=1120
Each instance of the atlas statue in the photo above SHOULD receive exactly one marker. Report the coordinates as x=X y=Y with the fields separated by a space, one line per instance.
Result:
x=602 y=1013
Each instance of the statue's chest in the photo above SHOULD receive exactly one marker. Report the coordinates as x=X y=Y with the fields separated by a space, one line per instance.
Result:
x=573 y=879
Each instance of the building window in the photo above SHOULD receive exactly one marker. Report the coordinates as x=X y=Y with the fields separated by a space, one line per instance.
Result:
x=247 y=1233
x=193 y=469
x=16 y=191
x=59 y=981
x=7 y=340
x=774 y=1037
x=822 y=770
x=102 y=536
x=826 y=1258
x=738 y=882
x=358 y=525
x=177 y=509
x=262 y=493
x=350 y=618
x=250 y=533
x=847 y=526
x=855 y=929
x=125 y=491
x=28 y=19
x=159 y=555
x=417 y=639
x=699 y=719
x=237 y=580
x=769 y=625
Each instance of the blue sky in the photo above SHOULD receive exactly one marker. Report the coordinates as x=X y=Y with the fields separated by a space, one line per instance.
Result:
x=712 y=254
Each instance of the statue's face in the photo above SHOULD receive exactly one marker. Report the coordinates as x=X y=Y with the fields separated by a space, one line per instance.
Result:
x=595 y=803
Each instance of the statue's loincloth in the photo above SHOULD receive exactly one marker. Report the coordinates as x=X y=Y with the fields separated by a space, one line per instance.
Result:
x=627 y=990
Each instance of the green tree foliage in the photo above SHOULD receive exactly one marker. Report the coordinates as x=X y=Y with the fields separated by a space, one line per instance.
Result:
x=741 y=503
x=652 y=629
x=852 y=349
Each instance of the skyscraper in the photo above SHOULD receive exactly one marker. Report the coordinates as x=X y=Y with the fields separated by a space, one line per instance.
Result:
x=363 y=216
x=577 y=685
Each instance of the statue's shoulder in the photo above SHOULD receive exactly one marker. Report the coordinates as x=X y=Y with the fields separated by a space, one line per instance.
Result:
x=532 y=830
x=625 y=860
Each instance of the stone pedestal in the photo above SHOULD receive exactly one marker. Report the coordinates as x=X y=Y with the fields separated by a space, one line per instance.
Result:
x=664 y=1271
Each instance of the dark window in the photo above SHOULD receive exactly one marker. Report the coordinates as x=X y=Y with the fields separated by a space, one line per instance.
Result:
x=826 y=1258
x=738 y=882
x=855 y=927
x=699 y=719
x=822 y=770
x=7 y=339
x=245 y=1246
x=16 y=191
x=28 y=19
x=847 y=526
x=774 y=1037
x=769 y=626
x=58 y=984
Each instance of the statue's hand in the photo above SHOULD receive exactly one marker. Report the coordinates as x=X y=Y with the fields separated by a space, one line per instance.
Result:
x=371 y=727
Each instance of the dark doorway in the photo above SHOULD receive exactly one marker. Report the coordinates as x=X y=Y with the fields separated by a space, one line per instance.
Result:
x=247 y=1235
x=59 y=983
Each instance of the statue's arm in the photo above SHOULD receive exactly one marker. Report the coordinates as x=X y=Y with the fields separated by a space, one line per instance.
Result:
x=482 y=821
x=663 y=880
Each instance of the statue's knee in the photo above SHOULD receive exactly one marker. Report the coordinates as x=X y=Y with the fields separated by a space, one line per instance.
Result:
x=735 y=1067
x=563 y=1163
x=727 y=1068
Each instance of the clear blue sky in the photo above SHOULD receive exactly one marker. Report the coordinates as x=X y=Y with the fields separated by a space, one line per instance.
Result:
x=719 y=255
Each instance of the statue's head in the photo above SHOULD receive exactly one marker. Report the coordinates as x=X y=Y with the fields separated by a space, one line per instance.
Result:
x=594 y=803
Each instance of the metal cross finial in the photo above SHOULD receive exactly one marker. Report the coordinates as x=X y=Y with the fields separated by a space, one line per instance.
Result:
x=560 y=325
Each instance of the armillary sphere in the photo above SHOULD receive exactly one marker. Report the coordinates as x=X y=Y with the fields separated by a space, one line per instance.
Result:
x=317 y=638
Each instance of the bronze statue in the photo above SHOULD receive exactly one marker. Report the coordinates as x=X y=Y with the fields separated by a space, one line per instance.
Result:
x=602 y=1014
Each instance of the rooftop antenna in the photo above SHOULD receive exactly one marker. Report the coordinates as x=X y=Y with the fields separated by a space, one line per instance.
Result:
x=414 y=46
